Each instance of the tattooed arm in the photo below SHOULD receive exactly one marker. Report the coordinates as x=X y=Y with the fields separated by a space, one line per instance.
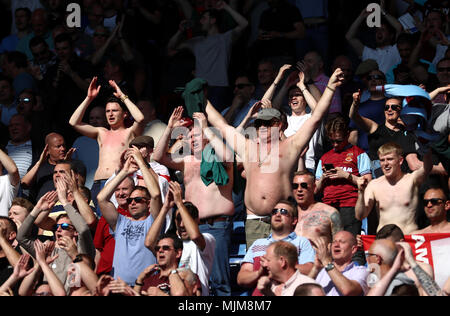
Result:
x=428 y=284
x=336 y=222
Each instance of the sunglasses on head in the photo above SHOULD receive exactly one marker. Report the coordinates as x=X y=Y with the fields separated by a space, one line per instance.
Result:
x=394 y=107
x=433 y=202
x=137 y=200
x=282 y=211
x=64 y=226
x=303 y=185
x=164 y=248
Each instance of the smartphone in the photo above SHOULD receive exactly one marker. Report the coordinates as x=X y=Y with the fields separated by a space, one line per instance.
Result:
x=329 y=166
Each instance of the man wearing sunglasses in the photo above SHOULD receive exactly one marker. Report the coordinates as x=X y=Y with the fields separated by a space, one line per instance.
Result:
x=283 y=221
x=394 y=196
x=390 y=131
x=315 y=219
x=436 y=206
x=198 y=248
x=243 y=100
x=144 y=204
x=165 y=278
x=268 y=162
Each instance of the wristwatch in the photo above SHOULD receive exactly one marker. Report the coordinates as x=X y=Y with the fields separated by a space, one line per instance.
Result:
x=329 y=267
x=174 y=271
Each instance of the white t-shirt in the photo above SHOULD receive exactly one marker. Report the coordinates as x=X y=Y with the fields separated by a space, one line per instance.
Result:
x=386 y=57
x=213 y=55
x=200 y=262
x=7 y=194
x=294 y=124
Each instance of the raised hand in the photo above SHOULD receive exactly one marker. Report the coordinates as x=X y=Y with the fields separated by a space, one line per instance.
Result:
x=69 y=246
x=21 y=268
x=174 y=120
x=47 y=201
x=93 y=89
x=337 y=79
x=118 y=92
x=201 y=119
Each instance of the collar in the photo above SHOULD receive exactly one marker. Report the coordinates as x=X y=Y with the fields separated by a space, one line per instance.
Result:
x=291 y=236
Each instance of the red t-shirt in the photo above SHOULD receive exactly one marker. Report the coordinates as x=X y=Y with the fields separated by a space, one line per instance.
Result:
x=340 y=192
x=105 y=243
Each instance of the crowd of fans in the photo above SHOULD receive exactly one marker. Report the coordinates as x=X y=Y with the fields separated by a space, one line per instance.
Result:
x=131 y=145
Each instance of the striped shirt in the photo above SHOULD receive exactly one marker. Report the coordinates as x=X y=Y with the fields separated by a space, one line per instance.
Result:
x=22 y=155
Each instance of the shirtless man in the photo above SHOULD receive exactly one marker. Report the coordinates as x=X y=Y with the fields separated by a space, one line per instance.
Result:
x=315 y=219
x=113 y=141
x=214 y=203
x=395 y=195
x=436 y=206
x=268 y=162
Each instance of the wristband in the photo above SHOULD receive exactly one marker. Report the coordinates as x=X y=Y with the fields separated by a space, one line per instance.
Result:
x=123 y=97
x=328 y=87
x=138 y=284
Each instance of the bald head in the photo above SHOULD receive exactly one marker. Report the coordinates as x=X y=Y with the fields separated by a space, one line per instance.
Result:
x=56 y=147
x=386 y=249
x=39 y=22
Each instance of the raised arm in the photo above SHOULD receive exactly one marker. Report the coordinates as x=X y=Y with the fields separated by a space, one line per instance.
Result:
x=271 y=91
x=150 y=180
x=422 y=173
x=30 y=177
x=241 y=21
x=55 y=284
x=299 y=140
x=160 y=154
x=82 y=206
x=107 y=208
x=24 y=234
x=77 y=117
x=366 y=199
x=138 y=125
x=86 y=243
x=155 y=229
x=366 y=124
x=354 y=42
x=234 y=139
x=11 y=168
x=189 y=223
x=11 y=254
x=222 y=151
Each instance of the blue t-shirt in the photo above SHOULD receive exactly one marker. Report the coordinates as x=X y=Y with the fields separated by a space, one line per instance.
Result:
x=131 y=257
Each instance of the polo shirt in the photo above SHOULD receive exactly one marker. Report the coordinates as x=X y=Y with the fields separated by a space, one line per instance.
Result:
x=258 y=249
x=351 y=272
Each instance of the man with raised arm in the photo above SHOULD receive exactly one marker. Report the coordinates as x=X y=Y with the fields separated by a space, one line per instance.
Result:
x=269 y=162
x=395 y=195
x=113 y=141
x=214 y=200
x=130 y=254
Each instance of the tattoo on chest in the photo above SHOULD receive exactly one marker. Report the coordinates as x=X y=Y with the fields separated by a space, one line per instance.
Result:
x=316 y=218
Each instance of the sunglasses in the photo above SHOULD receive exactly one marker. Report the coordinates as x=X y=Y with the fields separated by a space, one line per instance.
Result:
x=64 y=226
x=164 y=248
x=260 y=123
x=137 y=200
x=434 y=202
x=443 y=69
x=303 y=185
x=241 y=86
x=375 y=77
x=24 y=100
x=282 y=211
x=394 y=107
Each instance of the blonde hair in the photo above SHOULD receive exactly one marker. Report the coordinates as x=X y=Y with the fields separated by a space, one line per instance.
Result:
x=390 y=148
